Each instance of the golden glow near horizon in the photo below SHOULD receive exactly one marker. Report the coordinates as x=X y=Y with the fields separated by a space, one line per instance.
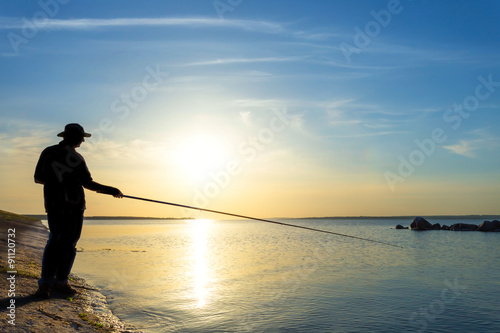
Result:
x=200 y=264
x=256 y=115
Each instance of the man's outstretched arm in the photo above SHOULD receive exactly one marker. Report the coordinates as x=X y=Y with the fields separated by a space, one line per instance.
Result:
x=99 y=188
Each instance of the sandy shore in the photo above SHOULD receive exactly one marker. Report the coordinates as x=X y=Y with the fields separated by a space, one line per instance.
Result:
x=20 y=311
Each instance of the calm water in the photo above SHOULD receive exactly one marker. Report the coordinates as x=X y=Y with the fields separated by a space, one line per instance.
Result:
x=242 y=276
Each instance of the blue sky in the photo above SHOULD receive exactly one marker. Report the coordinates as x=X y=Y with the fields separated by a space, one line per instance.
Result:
x=173 y=91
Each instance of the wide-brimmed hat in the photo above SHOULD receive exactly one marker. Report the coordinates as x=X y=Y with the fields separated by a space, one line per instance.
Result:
x=74 y=129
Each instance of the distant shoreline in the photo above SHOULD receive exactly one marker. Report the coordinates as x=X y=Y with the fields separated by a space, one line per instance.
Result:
x=406 y=217
x=44 y=217
x=434 y=217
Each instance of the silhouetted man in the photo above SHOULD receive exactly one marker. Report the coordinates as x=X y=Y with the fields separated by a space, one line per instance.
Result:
x=64 y=174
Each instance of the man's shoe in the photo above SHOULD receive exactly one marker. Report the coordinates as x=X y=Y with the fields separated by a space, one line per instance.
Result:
x=43 y=291
x=64 y=288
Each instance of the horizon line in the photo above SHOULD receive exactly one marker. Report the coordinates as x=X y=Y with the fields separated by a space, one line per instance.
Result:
x=291 y=218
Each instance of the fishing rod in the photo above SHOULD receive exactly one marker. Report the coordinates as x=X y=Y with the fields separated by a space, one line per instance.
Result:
x=258 y=219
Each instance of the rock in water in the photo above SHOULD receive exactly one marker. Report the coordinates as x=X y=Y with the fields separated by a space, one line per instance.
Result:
x=436 y=226
x=489 y=226
x=463 y=227
x=419 y=223
x=399 y=226
x=445 y=227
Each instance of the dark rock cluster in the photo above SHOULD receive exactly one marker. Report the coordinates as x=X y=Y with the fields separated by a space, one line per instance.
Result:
x=420 y=224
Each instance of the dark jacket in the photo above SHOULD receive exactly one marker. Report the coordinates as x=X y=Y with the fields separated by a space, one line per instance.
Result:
x=64 y=174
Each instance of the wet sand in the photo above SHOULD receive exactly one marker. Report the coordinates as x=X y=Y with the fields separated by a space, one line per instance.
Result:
x=20 y=311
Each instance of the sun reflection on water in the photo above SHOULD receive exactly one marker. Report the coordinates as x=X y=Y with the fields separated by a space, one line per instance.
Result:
x=201 y=269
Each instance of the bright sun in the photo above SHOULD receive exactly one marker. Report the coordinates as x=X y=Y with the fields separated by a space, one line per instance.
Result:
x=199 y=154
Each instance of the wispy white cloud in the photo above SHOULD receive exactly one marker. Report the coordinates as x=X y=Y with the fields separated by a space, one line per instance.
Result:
x=345 y=122
x=350 y=112
x=315 y=36
x=468 y=148
x=89 y=23
x=427 y=110
x=340 y=64
x=331 y=105
x=135 y=150
x=415 y=55
x=23 y=140
x=391 y=55
x=257 y=103
x=241 y=61
x=371 y=134
x=464 y=148
x=484 y=134
x=379 y=125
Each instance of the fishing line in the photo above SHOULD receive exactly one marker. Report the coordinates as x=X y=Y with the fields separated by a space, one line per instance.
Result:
x=258 y=219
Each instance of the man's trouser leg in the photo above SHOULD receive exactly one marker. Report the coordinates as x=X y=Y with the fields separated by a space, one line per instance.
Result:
x=65 y=229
